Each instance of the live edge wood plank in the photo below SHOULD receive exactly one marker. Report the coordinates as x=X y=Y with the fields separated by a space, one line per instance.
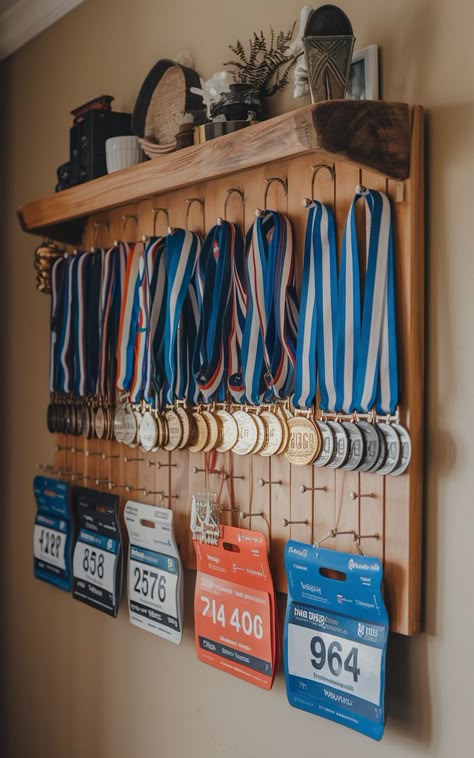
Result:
x=370 y=134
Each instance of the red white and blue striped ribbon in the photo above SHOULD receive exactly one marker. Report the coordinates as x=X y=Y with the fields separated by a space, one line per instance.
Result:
x=129 y=316
x=211 y=356
x=182 y=251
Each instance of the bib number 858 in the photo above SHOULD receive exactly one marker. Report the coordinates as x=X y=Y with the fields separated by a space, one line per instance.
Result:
x=332 y=656
x=93 y=563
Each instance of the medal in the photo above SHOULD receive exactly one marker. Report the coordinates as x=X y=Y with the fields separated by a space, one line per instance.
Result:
x=274 y=433
x=148 y=432
x=368 y=333
x=262 y=433
x=175 y=430
x=86 y=422
x=130 y=428
x=393 y=448
x=406 y=450
x=100 y=426
x=283 y=414
x=187 y=426
x=327 y=444
x=311 y=441
x=230 y=430
x=248 y=433
x=372 y=445
x=356 y=450
x=119 y=424
x=215 y=431
x=202 y=433
x=341 y=445
x=269 y=336
x=305 y=441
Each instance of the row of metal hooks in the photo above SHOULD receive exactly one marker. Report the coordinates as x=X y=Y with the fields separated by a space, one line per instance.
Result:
x=111 y=485
x=282 y=181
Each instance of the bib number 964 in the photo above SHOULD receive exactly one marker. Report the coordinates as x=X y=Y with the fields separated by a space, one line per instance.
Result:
x=332 y=656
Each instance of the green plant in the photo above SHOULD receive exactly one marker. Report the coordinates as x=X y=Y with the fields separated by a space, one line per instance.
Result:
x=267 y=66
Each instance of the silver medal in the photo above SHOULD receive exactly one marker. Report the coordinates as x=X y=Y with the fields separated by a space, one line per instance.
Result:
x=341 y=447
x=119 y=421
x=327 y=444
x=372 y=446
x=394 y=448
x=356 y=450
x=406 y=450
x=129 y=427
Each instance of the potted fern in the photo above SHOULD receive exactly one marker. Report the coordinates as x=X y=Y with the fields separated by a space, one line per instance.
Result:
x=257 y=76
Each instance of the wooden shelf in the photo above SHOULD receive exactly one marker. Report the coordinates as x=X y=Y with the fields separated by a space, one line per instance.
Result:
x=369 y=134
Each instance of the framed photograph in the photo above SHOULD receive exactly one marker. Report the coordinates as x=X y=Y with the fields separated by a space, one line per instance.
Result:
x=364 y=76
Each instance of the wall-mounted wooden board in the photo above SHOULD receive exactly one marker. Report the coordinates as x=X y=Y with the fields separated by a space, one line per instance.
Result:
x=322 y=498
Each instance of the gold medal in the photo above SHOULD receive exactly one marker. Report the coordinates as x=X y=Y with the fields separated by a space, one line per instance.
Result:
x=202 y=433
x=305 y=441
x=215 y=431
x=248 y=433
x=284 y=415
x=175 y=430
x=230 y=430
x=187 y=425
x=274 y=438
x=262 y=432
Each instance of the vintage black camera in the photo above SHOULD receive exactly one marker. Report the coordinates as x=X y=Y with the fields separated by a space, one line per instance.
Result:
x=94 y=123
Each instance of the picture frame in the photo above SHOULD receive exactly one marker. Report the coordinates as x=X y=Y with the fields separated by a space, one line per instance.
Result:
x=363 y=81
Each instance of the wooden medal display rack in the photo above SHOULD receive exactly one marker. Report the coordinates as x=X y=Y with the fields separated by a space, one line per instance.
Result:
x=377 y=144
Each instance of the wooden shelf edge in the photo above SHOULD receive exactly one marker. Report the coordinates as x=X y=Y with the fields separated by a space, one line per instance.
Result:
x=370 y=134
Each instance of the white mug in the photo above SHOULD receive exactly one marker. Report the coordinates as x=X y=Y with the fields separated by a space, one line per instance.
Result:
x=121 y=152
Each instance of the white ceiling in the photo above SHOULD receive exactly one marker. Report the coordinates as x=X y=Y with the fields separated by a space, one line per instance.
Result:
x=21 y=20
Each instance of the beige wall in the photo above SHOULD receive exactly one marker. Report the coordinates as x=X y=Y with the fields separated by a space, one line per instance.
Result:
x=78 y=684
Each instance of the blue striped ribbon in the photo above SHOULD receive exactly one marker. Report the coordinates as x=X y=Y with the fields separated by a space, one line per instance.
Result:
x=269 y=338
x=318 y=312
x=367 y=370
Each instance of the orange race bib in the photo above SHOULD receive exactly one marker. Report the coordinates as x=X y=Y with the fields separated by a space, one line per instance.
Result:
x=234 y=607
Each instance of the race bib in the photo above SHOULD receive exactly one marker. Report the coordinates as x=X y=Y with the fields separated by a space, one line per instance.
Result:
x=234 y=607
x=335 y=640
x=97 y=562
x=52 y=533
x=155 y=573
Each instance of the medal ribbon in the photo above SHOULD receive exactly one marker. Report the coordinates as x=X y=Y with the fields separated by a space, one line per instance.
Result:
x=317 y=324
x=269 y=338
x=367 y=370
x=129 y=316
x=66 y=340
x=182 y=250
x=211 y=357
x=155 y=271
x=58 y=281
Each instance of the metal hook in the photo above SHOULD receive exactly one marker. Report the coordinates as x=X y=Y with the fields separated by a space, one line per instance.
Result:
x=319 y=167
x=268 y=183
x=156 y=212
x=126 y=218
x=98 y=225
x=189 y=203
x=333 y=533
x=229 y=193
